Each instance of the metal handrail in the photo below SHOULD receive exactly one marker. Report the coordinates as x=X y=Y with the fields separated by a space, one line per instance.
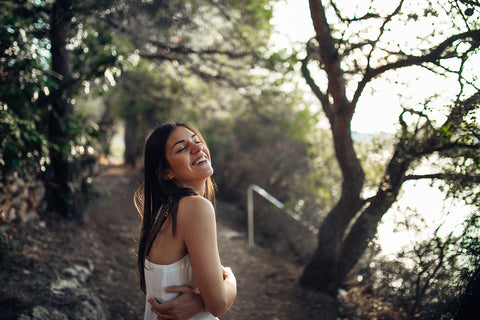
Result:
x=275 y=202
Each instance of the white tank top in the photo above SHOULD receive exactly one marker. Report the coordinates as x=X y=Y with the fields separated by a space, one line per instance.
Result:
x=158 y=277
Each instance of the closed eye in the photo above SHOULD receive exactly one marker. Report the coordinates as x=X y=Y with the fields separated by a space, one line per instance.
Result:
x=182 y=148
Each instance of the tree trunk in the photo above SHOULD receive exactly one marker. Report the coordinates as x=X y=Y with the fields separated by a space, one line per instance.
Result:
x=65 y=194
x=349 y=227
x=324 y=270
x=131 y=133
x=341 y=244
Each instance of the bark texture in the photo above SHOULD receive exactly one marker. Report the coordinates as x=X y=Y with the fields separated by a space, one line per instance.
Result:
x=65 y=186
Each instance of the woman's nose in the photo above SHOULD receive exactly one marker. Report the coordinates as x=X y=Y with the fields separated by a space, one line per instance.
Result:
x=196 y=147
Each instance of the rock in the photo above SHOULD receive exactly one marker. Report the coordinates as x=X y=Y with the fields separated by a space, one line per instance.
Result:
x=80 y=272
x=22 y=207
x=61 y=286
x=38 y=191
x=13 y=188
x=11 y=214
x=31 y=217
x=41 y=313
x=87 y=304
x=91 y=306
x=21 y=197
x=77 y=274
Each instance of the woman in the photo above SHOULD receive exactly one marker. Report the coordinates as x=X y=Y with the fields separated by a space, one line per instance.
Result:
x=178 y=242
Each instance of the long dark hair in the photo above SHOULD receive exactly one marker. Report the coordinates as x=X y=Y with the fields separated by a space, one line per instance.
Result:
x=157 y=199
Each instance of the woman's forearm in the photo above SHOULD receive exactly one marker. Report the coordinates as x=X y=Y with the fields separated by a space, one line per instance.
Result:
x=230 y=283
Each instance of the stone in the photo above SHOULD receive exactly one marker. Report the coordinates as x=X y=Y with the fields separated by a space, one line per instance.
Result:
x=38 y=191
x=79 y=272
x=11 y=214
x=41 y=313
x=60 y=286
x=21 y=194
x=31 y=217
x=13 y=188
x=90 y=307
x=22 y=207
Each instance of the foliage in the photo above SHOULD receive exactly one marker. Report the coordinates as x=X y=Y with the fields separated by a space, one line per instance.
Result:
x=424 y=283
x=23 y=84
x=32 y=90
x=252 y=150
x=143 y=90
x=22 y=145
x=258 y=132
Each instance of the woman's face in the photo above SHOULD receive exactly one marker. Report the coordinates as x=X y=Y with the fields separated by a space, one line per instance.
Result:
x=189 y=159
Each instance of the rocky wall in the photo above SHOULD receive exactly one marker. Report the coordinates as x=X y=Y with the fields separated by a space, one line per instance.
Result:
x=21 y=197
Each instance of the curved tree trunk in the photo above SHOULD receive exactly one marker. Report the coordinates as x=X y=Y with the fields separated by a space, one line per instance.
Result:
x=352 y=223
x=325 y=269
x=341 y=244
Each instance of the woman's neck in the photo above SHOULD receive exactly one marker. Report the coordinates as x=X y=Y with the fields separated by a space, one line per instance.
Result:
x=198 y=188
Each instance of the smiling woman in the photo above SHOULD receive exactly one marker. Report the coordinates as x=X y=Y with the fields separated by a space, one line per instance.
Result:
x=178 y=243
x=189 y=160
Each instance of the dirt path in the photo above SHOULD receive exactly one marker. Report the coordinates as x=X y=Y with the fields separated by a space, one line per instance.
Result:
x=266 y=283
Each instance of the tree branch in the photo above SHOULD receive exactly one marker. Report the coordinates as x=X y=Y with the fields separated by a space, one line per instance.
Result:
x=440 y=176
x=470 y=2
x=432 y=57
x=186 y=51
x=431 y=176
x=330 y=58
x=461 y=109
x=368 y=15
x=311 y=83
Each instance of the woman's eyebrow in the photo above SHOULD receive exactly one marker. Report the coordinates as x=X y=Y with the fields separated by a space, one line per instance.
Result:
x=179 y=141
x=183 y=140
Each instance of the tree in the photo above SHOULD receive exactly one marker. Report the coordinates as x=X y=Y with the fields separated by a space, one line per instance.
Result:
x=65 y=175
x=351 y=58
x=43 y=65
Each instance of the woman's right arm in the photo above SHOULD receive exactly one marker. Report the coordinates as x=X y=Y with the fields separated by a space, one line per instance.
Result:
x=197 y=226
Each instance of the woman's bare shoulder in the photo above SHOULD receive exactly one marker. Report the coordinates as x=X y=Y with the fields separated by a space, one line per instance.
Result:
x=194 y=207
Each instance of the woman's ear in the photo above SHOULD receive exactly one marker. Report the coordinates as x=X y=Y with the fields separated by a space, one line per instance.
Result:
x=168 y=174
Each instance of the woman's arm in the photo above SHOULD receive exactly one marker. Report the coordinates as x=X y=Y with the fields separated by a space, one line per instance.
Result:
x=184 y=307
x=229 y=280
x=197 y=226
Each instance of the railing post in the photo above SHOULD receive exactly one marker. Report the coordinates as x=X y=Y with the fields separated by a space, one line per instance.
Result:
x=250 y=215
